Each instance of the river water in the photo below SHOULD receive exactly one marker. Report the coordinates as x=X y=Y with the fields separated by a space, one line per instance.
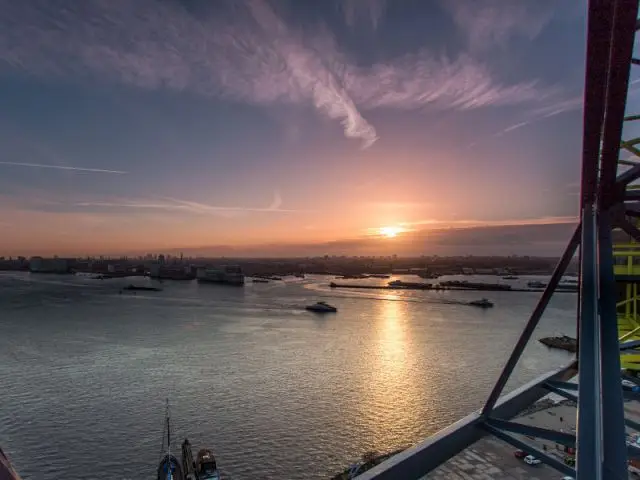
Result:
x=273 y=390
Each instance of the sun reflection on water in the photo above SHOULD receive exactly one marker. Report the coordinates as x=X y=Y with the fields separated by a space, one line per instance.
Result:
x=391 y=340
x=387 y=411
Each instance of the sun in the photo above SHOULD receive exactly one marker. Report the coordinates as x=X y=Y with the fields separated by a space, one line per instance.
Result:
x=390 y=232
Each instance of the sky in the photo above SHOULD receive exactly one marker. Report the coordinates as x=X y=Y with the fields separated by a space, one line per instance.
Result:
x=290 y=127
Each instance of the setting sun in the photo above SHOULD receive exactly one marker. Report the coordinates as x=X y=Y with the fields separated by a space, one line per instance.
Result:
x=390 y=232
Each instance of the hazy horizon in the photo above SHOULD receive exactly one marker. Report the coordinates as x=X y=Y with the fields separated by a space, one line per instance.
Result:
x=543 y=240
x=354 y=127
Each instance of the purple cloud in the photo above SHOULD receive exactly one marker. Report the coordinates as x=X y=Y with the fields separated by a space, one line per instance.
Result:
x=487 y=23
x=357 y=11
x=250 y=54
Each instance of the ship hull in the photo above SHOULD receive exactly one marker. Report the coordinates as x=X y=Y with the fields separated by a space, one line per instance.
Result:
x=236 y=283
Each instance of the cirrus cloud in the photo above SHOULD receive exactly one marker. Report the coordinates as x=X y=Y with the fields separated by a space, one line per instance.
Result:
x=245 y=52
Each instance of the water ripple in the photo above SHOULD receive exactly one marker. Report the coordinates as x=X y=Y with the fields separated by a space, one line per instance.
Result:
x=275 y=391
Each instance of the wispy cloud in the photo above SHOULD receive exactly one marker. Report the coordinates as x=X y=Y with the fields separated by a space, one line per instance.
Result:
x=515 y=127
x=559 y=107
x=398 y=205
x=63 y=167
x=246 y=53
x=357 y=11
x=435 y=223
x=487 y=23
x=551 y=109
x=186 y=206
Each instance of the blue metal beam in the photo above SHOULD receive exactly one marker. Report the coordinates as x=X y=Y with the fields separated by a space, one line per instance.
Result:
x=525 y=336
x=531 y=450
x=614 y=441
x=532 y=431
x=560 y=387
x=419 y=460
x=589 y=426
x=552 y=435
x=563 y=385
x=631 y=344
x=559 y=391
x=631 y=424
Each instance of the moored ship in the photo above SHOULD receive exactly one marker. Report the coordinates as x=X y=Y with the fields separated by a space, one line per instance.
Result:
x=224 y=274
x=204 y=466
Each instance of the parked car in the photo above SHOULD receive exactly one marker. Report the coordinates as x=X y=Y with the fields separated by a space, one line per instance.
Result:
x=519 y=454
x=531 y=460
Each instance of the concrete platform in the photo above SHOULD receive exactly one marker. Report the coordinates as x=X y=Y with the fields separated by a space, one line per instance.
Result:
x=492 y=459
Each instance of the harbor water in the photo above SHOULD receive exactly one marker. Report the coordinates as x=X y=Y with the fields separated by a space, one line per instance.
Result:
x=275 y=391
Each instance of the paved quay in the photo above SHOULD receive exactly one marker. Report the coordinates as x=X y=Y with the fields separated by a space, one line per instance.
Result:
x=493 y=459
x=490 y=459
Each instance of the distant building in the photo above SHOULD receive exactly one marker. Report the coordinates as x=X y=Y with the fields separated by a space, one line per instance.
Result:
x=49 y=265
x=485 y=271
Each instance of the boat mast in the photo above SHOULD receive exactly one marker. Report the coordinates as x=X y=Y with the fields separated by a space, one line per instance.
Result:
x=168 y=456
x=168 y=417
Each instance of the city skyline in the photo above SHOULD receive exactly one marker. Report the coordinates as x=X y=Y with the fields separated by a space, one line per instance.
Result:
x=361 y=128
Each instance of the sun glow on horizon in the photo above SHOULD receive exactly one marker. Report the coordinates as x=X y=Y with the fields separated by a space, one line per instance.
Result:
x=390 y=232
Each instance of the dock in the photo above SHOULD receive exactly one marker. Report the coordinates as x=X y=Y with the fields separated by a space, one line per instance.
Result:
x=437 y=288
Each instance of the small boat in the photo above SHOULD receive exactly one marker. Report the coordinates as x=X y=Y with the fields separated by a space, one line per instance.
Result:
x=483 y=303
x=206 y=468
x=321 y=307
x=510 y=277
x=536 y=284
x=224 y=274
x=143 y=288
x=169 y=467
x=410 y=285
x=203 y=467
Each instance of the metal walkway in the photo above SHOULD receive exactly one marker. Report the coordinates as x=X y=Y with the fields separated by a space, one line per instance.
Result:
x=607 y=202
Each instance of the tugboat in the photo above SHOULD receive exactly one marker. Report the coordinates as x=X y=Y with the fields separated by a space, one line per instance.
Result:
x=225 y=274
x=321 y=307
x=483 y=303
x=410 y=285
x=142 y=288
x=169 y=467
x=203 y=468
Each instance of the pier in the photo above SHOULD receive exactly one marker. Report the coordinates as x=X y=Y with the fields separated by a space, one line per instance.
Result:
x=438 y=288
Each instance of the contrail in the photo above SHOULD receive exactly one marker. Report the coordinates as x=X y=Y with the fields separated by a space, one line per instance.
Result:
x=61 y=167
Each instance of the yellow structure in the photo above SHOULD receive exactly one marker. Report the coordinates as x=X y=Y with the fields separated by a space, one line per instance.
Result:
x=626 y=266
